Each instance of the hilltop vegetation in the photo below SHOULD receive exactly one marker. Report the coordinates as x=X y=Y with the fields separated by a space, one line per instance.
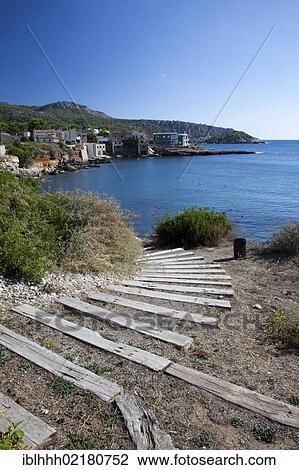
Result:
x=63 y=114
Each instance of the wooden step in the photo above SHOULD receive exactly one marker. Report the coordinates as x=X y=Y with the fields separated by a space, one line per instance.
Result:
x=52 y=362
x=174 y=260
x=182 y=281
x=143 y=426
x=166 y=257
x=36 y=432
x=182 y=271
x=178 y=288
x=175 y=297
x=152 y=308
x=256 y=402
x=86 y=335
x=164 y=252
x=147 y=329
x=199 y=267
x=183 y=275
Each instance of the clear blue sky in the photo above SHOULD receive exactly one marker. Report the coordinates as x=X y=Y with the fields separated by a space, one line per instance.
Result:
x=160 y=59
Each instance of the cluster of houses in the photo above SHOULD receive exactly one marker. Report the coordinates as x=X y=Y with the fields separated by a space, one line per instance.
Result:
x=105 y=144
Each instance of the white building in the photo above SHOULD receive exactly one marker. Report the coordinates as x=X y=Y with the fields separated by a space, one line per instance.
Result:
x=48 y=135
x=95 y=150
x=71 y=136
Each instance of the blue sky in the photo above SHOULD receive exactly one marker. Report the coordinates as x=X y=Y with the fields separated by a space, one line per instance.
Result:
x=160 y=59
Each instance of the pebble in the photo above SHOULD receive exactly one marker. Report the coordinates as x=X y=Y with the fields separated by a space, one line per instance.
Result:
x=258 y=307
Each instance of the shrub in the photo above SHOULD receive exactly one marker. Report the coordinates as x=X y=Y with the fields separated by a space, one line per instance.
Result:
x=284 y=327
x=13 y=438
x=264 y=433
x=192 y=227
x=286 y=240
x=75 y=231
x=62 y=387
x=84 y=441
x=102 y=241
x=4 y=355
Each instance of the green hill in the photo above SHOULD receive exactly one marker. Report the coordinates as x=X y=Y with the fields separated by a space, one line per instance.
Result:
x=65 y=114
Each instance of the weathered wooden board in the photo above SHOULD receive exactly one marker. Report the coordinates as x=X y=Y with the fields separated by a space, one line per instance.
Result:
x=146 y=327
x=253 y=401
x=36 y=431
x=199 y=267
x=210 y=277
x=175 y=297
x=82 y=378
x=86 y=335
x=143 y=426
x=178 y=288
x=182 y=281
x=152 y=308
x=166 y=257
x=183 y=259
x=183 y=271
x=164 y=252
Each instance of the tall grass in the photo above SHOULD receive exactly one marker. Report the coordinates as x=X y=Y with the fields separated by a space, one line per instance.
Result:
x=192 y=227
x=42 y=232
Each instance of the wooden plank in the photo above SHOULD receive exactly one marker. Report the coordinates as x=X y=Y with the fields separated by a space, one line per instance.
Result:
x=164 y=252
x=82 y=378
x=273 y=409
x=146 y=328
x=199 y=267
x=166 y=257
x=178 y=288
x=152 y=308
x=143 y=426
x=206 y=277
x=174 y=260
x=37 y=432
x=175 y=297
x=182 y=281
x=86 y=335
x=183 y=271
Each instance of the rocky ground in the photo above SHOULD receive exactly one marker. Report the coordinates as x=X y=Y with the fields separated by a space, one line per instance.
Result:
x=239 y=350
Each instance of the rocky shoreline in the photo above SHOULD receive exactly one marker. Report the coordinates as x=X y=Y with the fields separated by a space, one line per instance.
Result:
x=198 y=151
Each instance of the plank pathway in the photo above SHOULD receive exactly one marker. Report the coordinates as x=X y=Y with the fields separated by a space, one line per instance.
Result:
x=82 y=378
x=175 y=297
x=86 y=335
x=37 y=432
x=178 y=288
x=152 y=308
x=148 y=329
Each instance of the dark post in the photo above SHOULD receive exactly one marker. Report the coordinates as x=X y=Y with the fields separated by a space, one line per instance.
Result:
x=239 y=248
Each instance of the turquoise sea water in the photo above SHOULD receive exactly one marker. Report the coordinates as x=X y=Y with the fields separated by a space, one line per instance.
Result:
x=259 y=192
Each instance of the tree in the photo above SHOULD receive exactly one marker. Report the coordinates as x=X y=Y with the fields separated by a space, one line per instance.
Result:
x=91 y=138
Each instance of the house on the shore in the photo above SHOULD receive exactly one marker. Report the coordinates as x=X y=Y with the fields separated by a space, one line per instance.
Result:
x=95 y=151
x=6 y=138
x=54 y=136
x=171 y=139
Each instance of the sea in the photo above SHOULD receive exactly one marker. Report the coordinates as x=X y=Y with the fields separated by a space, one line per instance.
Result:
x=259 y=192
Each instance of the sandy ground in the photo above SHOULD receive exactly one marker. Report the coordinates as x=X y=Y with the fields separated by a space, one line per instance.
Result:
x=239 y=351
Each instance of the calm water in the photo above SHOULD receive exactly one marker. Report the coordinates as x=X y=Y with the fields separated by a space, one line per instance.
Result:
x=258 y=192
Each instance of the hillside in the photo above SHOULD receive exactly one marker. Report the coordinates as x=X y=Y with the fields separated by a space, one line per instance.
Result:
x=64 y=114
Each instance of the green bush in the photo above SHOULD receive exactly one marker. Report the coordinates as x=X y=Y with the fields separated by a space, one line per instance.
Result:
x=40 y=232
x=192 y=227
x=284 y=327
x=286 y=240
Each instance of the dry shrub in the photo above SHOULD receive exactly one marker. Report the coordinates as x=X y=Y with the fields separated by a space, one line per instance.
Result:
x=103 y=241
x=284 y=327
x=286 y=240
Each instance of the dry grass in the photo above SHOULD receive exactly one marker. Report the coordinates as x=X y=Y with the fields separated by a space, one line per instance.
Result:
x=104 y=241
x=286 y=240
